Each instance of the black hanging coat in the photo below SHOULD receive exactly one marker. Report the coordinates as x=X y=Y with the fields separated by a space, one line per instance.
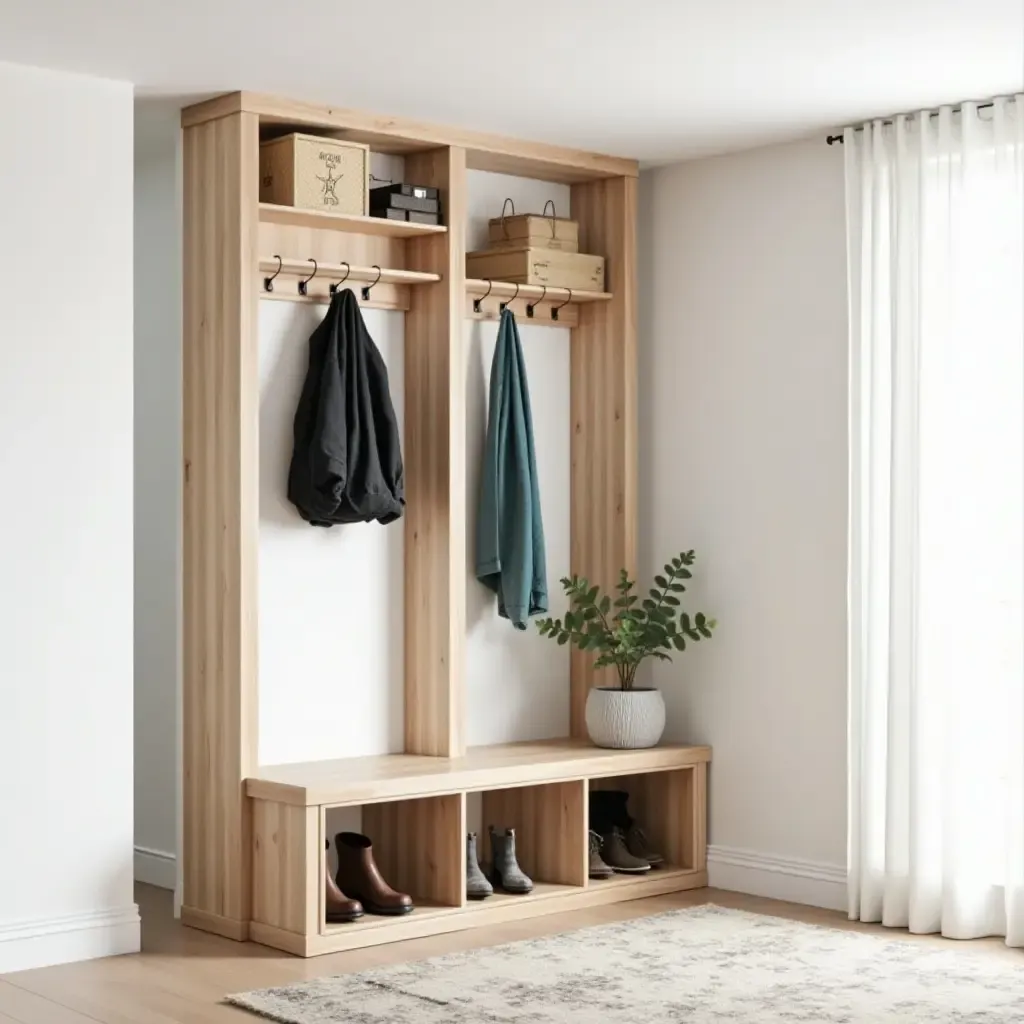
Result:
x=347 y=462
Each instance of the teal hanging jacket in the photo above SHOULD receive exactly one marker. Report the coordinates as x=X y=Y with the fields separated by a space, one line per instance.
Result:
x=510 y=535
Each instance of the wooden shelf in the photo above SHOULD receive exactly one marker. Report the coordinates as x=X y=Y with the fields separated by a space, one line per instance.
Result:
x=477 y=288
x=290 y=216
x=496 y=909
x=335 y=271
x=424 y=909
x=362 y=780
x=667 y=874
x=541 y=891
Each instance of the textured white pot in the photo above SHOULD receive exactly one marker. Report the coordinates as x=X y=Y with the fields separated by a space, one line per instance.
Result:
x=625 y=719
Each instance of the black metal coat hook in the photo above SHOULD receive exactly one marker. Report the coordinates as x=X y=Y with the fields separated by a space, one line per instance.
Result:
x=555 y=309
x=337 y=284
x=268 y=282
x=303 y=289
x=502 y=305
x=366 y=289
x=533 y=305
x=477 y=308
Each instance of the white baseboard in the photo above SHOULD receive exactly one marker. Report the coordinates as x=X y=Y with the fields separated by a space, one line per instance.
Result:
x=155 y=867
x=781 y=878
x=59 y=940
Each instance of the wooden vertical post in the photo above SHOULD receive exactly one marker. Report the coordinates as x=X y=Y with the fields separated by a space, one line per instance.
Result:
x=603 y=481
x=435 y=470
x=221 y=518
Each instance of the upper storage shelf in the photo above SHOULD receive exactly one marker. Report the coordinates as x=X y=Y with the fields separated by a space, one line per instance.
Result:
x=379 y=226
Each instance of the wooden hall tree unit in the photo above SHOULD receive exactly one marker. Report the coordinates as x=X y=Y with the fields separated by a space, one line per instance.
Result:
x=253 y=851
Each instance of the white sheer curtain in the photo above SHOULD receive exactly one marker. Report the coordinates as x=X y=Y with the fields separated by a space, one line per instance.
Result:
x=935 y=207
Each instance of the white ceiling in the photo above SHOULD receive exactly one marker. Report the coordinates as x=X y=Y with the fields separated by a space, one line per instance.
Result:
x=654 y=79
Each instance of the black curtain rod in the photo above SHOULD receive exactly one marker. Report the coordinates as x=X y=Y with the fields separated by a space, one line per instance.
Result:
x=832 y=139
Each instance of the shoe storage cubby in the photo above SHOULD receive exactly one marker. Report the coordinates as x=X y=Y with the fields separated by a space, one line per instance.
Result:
x=550 y=823
x=670 y=806
x=417 y=810
x=416 y=846
x=253 y=856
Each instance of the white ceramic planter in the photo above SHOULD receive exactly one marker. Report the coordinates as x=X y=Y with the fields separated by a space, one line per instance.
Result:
x=625 y=719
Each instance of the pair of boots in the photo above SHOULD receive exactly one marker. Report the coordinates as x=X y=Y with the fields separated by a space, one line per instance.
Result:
x=359 y=887
x=617 y=842
x=506 y=873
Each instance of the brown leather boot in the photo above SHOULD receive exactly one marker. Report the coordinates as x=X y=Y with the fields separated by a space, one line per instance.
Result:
x=339 y=908
x=358 y=874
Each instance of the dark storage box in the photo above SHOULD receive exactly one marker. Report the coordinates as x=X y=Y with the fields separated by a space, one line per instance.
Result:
x=388 y=213
x=388 y=200
x=414 y=191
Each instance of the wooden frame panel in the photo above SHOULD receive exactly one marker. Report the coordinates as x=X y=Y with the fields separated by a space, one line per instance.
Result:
x=287 y=867
x=551 y=829
x=603 y=354
x=435 y=471
x=404 y=135
x=220 y=530
x=419 y=846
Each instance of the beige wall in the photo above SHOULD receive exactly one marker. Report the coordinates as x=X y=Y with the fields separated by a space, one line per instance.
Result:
x=743 y=457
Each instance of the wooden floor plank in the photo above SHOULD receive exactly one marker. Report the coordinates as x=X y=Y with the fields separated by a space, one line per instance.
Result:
x=183 y=975
x=27 y=1007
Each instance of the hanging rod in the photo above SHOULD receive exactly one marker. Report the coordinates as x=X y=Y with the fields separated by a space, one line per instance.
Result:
x=832 y=139
x=356 y=273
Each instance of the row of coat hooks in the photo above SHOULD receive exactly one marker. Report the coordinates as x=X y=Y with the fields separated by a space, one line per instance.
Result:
x=531 y=307
x=268 y=282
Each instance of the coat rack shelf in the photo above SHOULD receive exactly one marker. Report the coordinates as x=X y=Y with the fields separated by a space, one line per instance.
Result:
x=291 y=216
x=477 y=288
x=336 y=271
x=253 y=852
x=388 y=288
x=532 y=304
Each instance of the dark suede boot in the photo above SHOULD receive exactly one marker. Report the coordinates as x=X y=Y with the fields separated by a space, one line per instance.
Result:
x=608 y=811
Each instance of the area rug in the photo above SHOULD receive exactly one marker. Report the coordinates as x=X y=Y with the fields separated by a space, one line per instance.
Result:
x=704 y=964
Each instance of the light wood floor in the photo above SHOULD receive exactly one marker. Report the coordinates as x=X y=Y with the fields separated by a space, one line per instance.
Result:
x=181 y=974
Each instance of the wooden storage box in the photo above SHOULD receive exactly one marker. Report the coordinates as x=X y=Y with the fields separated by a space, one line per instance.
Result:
x=533 y=230
x=315 y=173
x=531 y=265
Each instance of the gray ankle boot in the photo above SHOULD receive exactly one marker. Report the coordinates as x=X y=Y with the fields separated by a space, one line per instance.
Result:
x=505 y=870
x=477 y=886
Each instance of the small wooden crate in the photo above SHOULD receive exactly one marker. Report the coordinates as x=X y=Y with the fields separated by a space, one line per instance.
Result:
x=530 y=265
x=532 y=230
x=315 y=173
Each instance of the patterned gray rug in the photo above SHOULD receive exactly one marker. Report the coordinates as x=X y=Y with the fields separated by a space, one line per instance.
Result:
x=699 y=965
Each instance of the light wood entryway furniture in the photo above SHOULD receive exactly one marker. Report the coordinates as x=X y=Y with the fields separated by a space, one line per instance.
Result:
x=253 y=855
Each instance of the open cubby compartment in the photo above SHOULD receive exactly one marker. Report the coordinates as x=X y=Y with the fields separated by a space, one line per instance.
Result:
x=671 y=807
x=418 y=845
x=300 y=236
x=550 y=824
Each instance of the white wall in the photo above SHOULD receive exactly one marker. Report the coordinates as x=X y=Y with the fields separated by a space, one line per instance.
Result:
x=744 y=458
x=66 y=521
x=157 y=486
x=330 y=611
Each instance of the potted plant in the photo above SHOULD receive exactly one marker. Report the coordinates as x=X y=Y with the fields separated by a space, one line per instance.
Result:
x=624 y=633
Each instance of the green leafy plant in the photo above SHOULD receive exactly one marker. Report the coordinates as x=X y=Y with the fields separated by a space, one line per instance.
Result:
x=629 y=629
